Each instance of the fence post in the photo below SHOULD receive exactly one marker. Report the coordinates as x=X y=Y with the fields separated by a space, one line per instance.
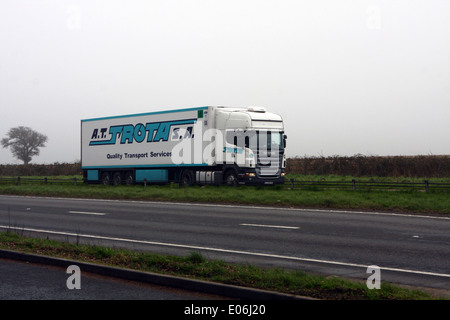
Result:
x=145 y=183
x=426 y=185
x=75 y=181
x=353 y=184
x=292 y=183
x=18 y=181
x=45 y=180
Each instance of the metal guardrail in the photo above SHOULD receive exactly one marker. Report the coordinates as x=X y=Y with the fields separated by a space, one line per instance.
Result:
x=43 y=180
x=354 y=184
x=426 y=185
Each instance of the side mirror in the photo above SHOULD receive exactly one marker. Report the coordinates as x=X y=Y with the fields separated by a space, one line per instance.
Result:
x=284 y=140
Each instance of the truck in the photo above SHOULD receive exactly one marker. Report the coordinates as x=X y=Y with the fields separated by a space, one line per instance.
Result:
x=203 y=145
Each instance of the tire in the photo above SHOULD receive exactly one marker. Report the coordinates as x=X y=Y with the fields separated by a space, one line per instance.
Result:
x=187 y=178
x=129 y=179
x=117 y=179
x=231 y=178
x=106 y=179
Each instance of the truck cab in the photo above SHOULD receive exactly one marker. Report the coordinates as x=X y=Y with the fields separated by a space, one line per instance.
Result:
x=254 y=145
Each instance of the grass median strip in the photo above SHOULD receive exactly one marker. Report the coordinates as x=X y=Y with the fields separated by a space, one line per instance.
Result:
x=399 y=201
x=196 y=266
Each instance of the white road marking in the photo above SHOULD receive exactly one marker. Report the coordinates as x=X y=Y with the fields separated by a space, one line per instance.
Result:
x=267 y=226
x=92 y=213
x=229 y=251
x=441 y=217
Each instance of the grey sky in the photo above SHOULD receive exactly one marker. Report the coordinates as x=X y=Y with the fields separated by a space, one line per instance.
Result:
x=370 y=77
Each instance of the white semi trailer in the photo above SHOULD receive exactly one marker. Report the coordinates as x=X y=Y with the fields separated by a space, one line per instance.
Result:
x=204 y=145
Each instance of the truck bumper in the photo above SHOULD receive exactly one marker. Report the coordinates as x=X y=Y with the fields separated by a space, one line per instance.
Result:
x=251 y=178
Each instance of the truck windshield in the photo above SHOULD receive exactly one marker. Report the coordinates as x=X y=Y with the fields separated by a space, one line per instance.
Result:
x=272 y=140
x=257 y=140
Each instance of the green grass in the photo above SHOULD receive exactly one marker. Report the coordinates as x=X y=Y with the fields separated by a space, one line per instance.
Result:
x=332 y=177
x=310 y=197
x=329 y=177
x=198 y=267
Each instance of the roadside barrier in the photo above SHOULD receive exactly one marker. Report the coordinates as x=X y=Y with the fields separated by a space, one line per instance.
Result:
x=353 y=184
x=321 y=184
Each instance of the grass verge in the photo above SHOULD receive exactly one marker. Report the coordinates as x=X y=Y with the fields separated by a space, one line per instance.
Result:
x=398 y=201
x=197 y=267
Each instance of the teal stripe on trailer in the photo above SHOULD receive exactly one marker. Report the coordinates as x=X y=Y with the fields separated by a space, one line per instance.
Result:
x=92 y=175
x=147 y=166
x=152 y=175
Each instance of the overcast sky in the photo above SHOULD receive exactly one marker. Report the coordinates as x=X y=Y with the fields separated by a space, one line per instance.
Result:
x=348 y=77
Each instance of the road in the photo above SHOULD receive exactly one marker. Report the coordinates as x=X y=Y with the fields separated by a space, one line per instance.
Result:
x=409 y=249
x=28 y=281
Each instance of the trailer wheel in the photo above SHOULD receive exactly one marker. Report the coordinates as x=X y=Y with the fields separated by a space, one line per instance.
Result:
x=106 y=179
x=187 y=178
x=231 y=178
x=129 y=179
x=117 y=179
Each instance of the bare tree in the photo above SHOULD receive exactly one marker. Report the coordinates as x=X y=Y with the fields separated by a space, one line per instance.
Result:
x=24 y=143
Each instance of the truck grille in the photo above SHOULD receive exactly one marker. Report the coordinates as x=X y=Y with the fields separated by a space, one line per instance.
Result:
x=269 y=164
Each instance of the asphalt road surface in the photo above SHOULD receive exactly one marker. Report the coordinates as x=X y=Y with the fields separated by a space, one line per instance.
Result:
x=408 y=249
x=28 y=281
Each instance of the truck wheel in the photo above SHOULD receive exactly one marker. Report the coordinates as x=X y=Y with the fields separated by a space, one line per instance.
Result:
x=129 y=179
x=117 y=179
x=187 y=178
x=106 y=180
x=231 y=178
